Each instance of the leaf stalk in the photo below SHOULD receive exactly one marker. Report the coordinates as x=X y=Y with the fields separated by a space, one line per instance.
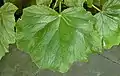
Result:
x=60 y=9
x=55 y=4
x=50 y=3
x=96 y=8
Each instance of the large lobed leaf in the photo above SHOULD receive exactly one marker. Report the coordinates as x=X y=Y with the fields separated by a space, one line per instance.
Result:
x=108 y=23
x=7 y=23
x=55 y=41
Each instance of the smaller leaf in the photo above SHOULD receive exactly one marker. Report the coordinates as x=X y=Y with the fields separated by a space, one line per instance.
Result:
x=96 y=2
x=7 y=23
x=73 y=3
x=43 y=2
x=102 y=2
x=108 y=23
x=89 y=2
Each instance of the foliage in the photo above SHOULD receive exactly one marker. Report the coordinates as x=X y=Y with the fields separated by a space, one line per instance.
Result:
x=56 y=33
x=7 y=23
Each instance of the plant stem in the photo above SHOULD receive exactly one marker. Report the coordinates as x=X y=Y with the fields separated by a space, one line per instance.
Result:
x=96 y=8
x=60 y=6
x=50 y=3
x=55 y=4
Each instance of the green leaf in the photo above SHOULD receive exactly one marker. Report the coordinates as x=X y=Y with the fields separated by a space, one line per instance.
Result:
x=55 y=41
x=96 y=2
x=72 y=3
x=89 y=2
x=102 y=2
x=108 y=23
x=43 y=2
x=7 y=23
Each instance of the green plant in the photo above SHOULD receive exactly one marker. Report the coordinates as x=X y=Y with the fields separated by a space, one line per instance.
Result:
x=56 y=33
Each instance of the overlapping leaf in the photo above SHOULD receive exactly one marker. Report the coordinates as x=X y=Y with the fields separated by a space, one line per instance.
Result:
x=7 y=23
x=55 y=41
x=74 y=3
x=102 y=2
x=108 y=23
x=43 y=2
x=89 y=2
x=98 y=3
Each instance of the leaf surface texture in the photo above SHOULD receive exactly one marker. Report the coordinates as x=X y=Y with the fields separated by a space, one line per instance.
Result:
x=7 y=23
x=55 y=41
x=108 y=23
